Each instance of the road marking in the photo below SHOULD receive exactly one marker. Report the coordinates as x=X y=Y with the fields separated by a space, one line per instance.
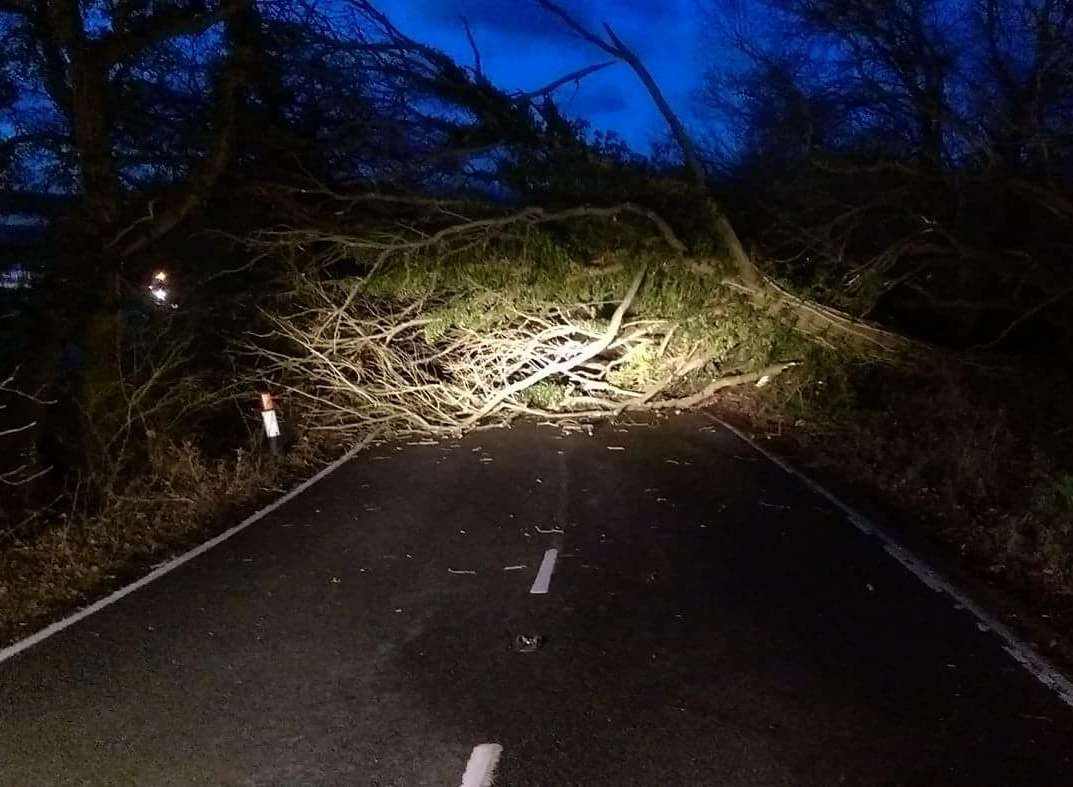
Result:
x=543 y=578
x=16 y=648
x=480 y=770
x=562 y=510
x=1021 y=651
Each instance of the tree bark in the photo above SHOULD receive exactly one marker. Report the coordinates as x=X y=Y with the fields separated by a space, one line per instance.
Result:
x=91 y=125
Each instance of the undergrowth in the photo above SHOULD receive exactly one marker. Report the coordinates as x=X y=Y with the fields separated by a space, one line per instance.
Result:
x=177 y=495
x=977 y=453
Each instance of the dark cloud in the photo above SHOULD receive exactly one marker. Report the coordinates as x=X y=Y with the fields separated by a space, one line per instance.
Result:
x=523 y=17
x=605 y=99
x=652 y=10
x=647 y=25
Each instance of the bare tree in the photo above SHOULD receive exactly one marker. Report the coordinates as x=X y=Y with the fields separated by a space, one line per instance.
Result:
x=904 y=157
x=77 y=61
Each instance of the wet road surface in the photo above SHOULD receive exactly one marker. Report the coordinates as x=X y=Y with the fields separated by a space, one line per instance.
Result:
x=708 y=620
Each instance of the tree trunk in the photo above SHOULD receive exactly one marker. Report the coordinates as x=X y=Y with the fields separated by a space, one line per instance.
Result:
x=92 y=133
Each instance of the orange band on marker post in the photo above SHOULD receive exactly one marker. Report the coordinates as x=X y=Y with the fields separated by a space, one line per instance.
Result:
x=268 y=415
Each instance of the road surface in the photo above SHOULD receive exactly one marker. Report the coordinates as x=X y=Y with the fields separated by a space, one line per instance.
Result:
x=708 y=620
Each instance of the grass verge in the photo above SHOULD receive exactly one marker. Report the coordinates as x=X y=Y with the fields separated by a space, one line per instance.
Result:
x=975 y=466
x=179 y=500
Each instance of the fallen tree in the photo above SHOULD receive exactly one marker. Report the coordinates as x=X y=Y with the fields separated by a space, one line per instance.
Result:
x=484 y=320
x=410 y=313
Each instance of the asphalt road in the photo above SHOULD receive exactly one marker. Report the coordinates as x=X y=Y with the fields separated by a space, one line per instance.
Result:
x=709 y=621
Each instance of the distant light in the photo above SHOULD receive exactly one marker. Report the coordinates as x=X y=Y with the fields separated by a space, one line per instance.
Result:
x=160 y=293
x=160 y=276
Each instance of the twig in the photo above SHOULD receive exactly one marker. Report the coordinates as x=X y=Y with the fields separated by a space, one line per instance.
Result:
x=1046 y=304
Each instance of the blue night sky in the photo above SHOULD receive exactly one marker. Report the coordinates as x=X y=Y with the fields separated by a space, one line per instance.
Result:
x=523 y=48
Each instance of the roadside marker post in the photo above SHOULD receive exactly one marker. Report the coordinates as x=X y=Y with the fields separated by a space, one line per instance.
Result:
x=268 y=415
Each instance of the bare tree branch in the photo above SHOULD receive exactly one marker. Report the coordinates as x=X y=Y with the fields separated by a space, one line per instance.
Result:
x=465 y=232
x=618 y=49
x=1061 y=295
x=164 y=24
x=573 y=76
x=476 y=52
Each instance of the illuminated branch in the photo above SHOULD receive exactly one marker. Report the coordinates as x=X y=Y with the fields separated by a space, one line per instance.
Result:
x=454 y=238
x=587 y=353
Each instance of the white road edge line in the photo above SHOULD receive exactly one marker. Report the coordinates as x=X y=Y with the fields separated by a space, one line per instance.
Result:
x=480 y=770
x=543 y=577
x=1020 y=650
x=18 y=647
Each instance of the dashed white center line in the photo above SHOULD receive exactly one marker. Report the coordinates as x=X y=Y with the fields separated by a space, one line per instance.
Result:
x=480 y=770
x=543 y=577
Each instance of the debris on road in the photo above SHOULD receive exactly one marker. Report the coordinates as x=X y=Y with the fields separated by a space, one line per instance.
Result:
x=528 y=643
x=774 y=505
x=547 y=531
x=480 y=770
x=569 y=427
